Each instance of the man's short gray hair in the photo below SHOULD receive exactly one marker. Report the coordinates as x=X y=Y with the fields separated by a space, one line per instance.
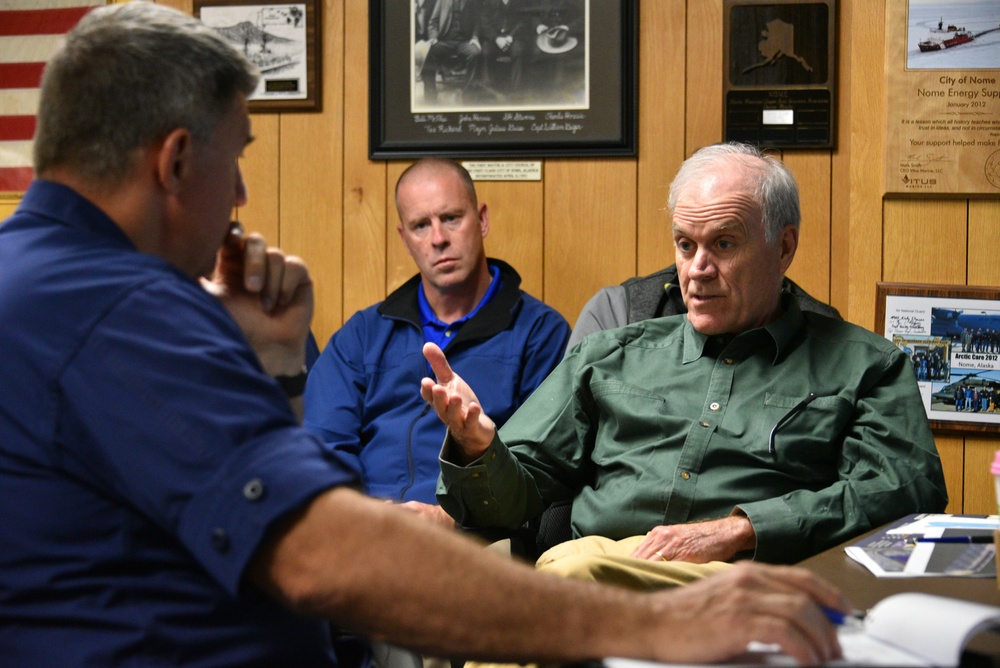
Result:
x=126 y=76
x=771 y=183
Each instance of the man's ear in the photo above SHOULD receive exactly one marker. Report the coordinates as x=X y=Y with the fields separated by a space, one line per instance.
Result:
x=172 y=158
x=788 y=244
x=484 y=219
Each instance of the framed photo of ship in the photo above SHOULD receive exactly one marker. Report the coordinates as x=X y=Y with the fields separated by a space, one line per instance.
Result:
x=539 y=78
x=282 y=39
x=937 y=27
x=780 y=73
x=942 y=64
x=951 y=336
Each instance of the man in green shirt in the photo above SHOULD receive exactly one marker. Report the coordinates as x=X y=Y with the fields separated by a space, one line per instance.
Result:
x=745 y=428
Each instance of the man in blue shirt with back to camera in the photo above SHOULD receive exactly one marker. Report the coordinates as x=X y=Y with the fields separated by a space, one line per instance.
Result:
x=161 y=504
x=361 y=396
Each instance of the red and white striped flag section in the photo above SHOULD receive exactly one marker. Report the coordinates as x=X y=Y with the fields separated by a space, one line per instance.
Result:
x=30 y=31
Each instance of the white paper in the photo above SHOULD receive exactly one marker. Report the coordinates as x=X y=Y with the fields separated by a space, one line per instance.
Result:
x=897 y=552
x=933 y=627
x=910 y=629
x=927 y=524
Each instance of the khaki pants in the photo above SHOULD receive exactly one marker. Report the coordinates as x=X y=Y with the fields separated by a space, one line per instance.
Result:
x=599 y=559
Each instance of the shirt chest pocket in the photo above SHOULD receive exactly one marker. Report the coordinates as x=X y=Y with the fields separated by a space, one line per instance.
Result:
x=629 y=420
x=803 y=432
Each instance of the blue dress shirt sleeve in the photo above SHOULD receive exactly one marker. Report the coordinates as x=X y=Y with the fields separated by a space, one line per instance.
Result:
x=186 y=428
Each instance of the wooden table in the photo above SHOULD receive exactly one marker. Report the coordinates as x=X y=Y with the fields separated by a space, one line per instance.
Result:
x=865 y=590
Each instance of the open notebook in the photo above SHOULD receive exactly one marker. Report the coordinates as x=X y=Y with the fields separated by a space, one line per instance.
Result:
x=910 y=629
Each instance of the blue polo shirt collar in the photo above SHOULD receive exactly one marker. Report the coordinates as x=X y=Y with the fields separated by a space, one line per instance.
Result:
x=442 y=333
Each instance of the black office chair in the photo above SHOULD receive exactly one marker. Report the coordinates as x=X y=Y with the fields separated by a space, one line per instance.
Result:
x=553 y=527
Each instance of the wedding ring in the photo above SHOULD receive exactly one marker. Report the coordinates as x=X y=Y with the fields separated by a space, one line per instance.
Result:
x=660 y=555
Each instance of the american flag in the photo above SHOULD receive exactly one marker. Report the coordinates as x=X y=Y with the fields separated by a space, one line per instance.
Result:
x=30 y=31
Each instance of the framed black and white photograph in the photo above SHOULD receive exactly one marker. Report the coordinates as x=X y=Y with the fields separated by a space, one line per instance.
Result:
x=502 y=78
x=951 y=334
x=282 y=39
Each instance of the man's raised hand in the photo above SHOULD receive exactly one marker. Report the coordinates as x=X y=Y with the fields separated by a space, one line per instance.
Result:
x=456 y=404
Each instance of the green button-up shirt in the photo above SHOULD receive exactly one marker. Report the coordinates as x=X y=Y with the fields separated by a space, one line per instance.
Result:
x=656 y=424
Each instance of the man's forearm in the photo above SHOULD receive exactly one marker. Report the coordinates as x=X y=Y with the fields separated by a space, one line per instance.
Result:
x=374 y=568
x=471 y=492
x=434 y=591
x=741 y=534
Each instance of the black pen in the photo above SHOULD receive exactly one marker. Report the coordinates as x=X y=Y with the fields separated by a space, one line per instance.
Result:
x=957 y=539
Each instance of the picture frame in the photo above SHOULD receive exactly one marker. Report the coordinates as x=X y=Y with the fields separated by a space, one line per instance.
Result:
x=941 y=110
x=550 y=78
x=283 y=39
x=951 y=333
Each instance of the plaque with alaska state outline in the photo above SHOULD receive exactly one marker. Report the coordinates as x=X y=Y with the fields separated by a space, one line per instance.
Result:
x=780 y=69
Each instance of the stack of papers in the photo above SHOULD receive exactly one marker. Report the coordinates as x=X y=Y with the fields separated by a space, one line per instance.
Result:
x=897 y=551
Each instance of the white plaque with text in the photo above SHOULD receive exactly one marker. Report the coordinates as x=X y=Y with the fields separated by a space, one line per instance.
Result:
x=943 y=98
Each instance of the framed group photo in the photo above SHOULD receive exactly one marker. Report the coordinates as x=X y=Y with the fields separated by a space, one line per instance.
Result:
x=282 y=38
x=498 y=79
x=951 y=334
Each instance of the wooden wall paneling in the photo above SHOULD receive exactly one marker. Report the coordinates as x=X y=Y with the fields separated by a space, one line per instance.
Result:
x=980 y=495
x=811 y=267
x=399 y=266
x=260 y=167
x=365 y=187
x=953 y=461
x=924 y=241
x=840 y=166
x=840 y=234
x=590 y=211
x=983 y=269
x=662 y=57
x=864 y=136
x=984 y=242
x=182 y=5
x=703 y=94
x=517 y=235
x=7 y=207
x=311 y=180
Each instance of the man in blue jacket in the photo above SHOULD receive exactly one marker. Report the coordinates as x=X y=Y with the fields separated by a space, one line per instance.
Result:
x=362 y=396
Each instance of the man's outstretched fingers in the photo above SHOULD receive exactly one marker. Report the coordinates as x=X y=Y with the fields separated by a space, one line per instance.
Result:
x=439 y=363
